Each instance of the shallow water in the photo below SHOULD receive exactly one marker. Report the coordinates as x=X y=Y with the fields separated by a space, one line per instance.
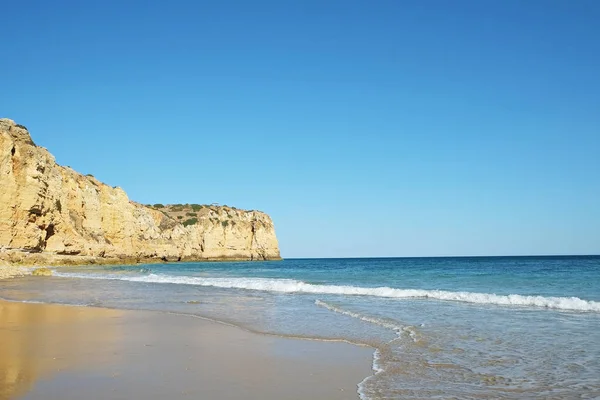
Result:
x=482 y=327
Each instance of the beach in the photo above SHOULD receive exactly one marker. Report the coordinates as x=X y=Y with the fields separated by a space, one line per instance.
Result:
x=68 y=352
x=398 y=328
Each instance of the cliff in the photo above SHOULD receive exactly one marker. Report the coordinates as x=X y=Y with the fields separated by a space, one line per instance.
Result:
x=54 y=215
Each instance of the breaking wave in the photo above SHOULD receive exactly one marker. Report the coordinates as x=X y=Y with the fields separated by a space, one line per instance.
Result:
x=295 y=286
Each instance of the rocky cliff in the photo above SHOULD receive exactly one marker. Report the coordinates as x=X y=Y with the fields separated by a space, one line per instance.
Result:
x=52 y=214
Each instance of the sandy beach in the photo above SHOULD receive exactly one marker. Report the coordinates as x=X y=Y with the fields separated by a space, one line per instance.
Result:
x=63 y=352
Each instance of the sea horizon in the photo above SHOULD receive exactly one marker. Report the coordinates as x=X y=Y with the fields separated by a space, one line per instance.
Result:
x=461 y=256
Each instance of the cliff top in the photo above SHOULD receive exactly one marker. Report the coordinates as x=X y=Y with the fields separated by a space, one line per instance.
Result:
x=17 y=131
x=189 y=214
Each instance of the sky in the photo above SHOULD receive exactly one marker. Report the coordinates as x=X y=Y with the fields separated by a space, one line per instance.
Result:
x=363 y=128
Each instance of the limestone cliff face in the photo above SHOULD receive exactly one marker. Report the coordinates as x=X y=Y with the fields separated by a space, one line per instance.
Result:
x=52 y=209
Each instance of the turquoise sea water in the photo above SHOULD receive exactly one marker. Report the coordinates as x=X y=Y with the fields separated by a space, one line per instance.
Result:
x=462 y=327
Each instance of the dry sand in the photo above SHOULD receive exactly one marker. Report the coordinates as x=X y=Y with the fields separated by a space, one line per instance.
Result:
x=60 y=352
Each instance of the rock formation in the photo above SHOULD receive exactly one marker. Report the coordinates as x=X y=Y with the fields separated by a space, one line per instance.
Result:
x=52 y=214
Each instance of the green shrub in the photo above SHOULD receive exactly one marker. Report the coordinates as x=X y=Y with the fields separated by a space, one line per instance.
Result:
x=224 y=224
x=158 y=205
x=191 y=221
x=197 y=207
x=180 y=217
x=191 y=214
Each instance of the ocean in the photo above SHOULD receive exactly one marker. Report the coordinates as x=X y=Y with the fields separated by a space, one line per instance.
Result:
x=457 y=327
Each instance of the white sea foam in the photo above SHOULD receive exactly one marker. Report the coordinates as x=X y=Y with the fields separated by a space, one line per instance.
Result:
x=376 y=371
x=49 y=302
x=372 y=320
x=295 y=286
x=409 y=330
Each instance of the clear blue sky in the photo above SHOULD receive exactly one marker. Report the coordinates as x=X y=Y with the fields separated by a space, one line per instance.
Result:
x=364 y=128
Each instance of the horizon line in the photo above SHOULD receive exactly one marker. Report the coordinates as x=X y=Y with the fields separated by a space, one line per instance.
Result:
x=462 y=256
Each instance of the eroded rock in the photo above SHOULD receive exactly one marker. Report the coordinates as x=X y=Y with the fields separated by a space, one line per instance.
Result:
x=47 y=209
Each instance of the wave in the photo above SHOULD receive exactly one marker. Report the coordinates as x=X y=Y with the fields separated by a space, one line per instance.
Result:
x=92 y=304
x=376 y=321
x=295 y=286
x=398 y=329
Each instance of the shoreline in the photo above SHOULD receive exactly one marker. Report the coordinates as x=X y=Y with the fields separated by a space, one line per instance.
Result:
x=19 y=258
x=8 y=271
x=69 y=352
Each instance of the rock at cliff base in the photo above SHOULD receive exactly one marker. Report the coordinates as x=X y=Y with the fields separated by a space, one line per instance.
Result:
x=42 y=272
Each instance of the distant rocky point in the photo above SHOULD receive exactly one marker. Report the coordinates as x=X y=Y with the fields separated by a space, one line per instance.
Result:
x=52 y=215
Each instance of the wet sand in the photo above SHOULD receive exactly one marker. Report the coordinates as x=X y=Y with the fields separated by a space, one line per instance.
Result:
x=60 y=352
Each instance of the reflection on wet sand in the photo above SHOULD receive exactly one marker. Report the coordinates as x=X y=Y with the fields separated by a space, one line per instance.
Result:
x=37 y=341
x=51 y=352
